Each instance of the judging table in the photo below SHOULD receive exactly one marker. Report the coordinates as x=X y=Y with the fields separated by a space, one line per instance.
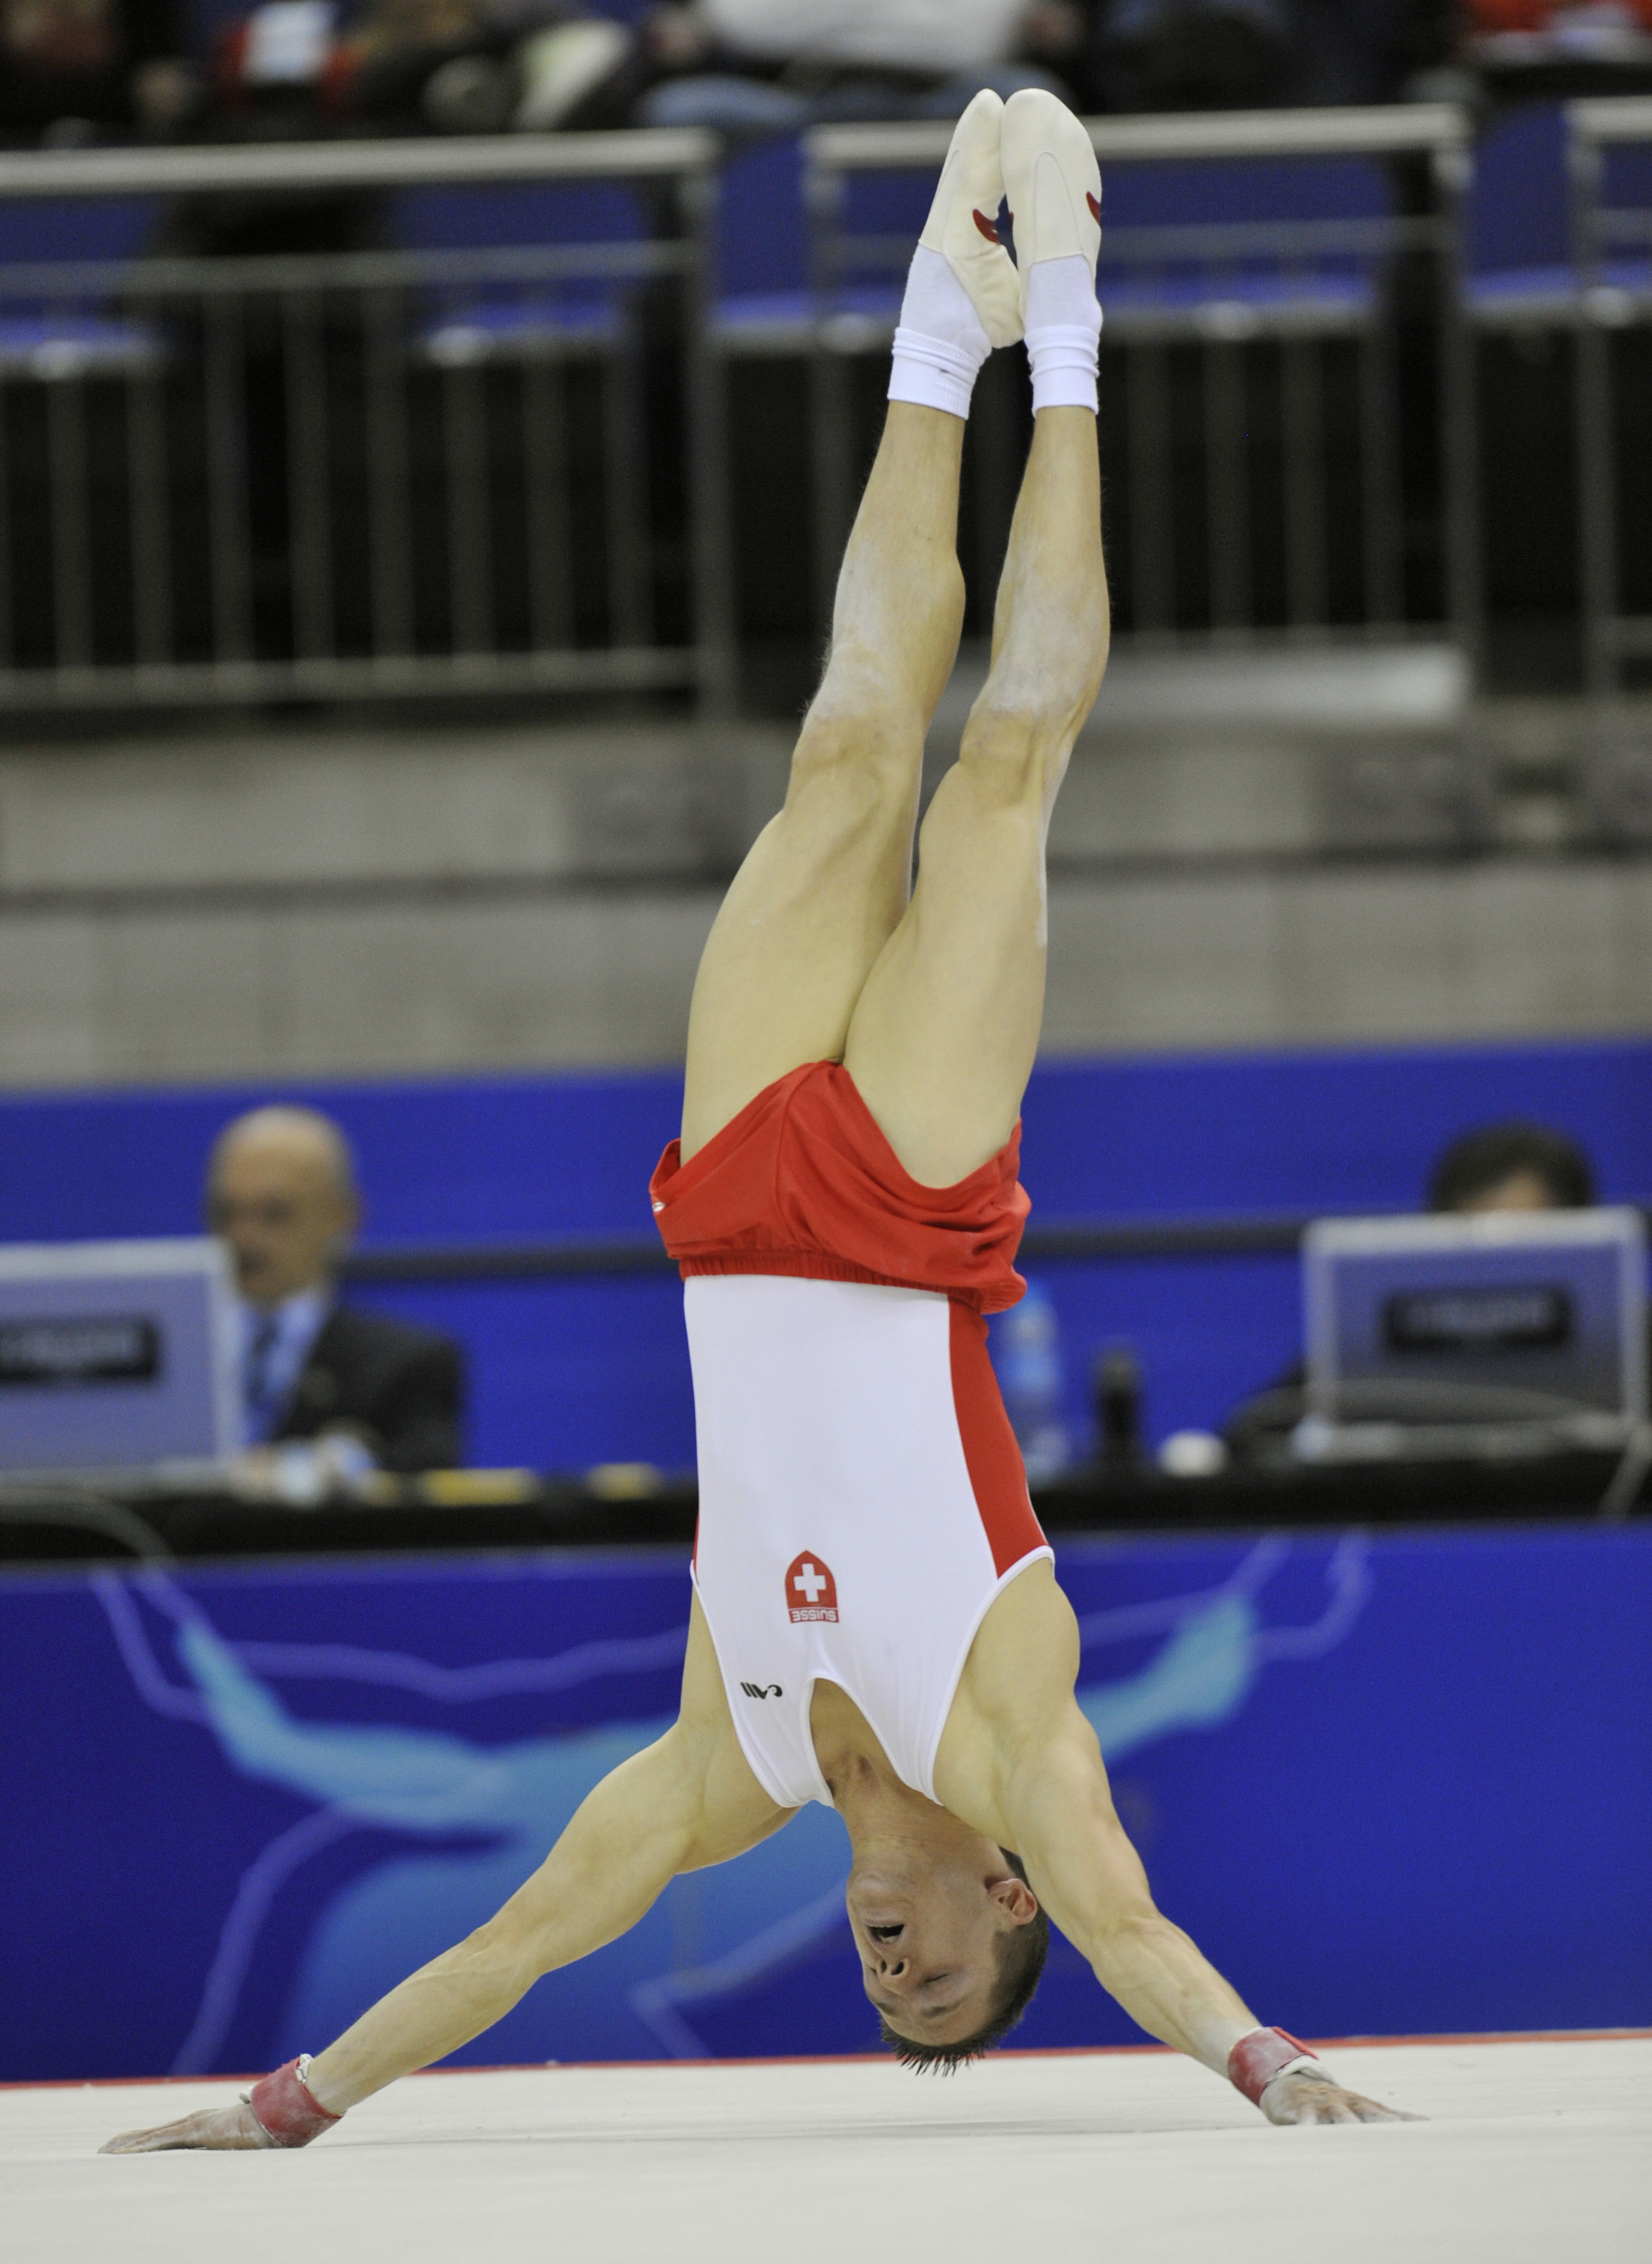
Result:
x=627 y=1505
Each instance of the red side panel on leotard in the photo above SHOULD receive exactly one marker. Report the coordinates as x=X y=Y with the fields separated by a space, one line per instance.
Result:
x=996 y=1471
x=802 y=1182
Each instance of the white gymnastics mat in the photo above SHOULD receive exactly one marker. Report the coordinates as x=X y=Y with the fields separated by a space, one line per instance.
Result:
x=1536 y=2152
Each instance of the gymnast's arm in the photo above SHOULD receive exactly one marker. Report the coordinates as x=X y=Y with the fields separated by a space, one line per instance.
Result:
x=683 y=1803
x=1019 y=1762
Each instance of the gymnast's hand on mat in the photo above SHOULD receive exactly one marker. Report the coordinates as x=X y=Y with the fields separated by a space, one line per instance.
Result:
x=1303 y=2095
x=217 y=2127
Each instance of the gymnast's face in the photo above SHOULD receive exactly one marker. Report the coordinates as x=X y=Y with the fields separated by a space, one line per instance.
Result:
x=928 y=1922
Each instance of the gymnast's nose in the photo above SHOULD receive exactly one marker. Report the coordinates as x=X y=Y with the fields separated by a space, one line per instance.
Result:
x=886 y=1949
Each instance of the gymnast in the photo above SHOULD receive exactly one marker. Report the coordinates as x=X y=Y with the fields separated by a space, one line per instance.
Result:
x=875 y=1621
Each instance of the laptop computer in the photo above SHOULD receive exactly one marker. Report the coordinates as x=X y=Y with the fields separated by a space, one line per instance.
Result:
x=115 y=1356
x=1502 y=1332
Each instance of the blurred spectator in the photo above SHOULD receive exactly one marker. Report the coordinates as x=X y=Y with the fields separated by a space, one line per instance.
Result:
x=1195 y=55
x=1537 y=47
x=1231 y=54
x=777 y=66
x=457 y=66
x=1514 y=1166
x=738 y=65
x=1604 y=30
x=68 y=67
x=281 y=1193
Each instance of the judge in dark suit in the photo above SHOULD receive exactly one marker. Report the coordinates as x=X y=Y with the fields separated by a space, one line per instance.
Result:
x=281 y=1193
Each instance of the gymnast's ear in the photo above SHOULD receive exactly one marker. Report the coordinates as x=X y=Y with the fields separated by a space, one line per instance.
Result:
x=1015 y=1898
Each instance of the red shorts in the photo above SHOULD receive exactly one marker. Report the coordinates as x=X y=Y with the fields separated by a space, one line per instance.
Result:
x=802 y=1182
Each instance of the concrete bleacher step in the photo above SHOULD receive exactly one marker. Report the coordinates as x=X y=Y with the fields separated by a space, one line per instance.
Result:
x=1329 y=687
x=274 y=904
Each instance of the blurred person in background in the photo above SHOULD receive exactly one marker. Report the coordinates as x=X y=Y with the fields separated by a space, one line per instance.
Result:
x=1194 y=55
x=72 y=69
x=1534 y=50
x=281 y=1193
x=1512 y=1166
x=778 y=66
x=306 y=70
x=739 y=67
x=1237 y=54
x=414 y=66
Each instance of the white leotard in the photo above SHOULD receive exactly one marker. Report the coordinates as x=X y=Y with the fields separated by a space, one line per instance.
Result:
x=861 y=1506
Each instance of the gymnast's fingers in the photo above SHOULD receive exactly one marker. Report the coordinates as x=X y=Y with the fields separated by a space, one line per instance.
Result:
x=1373 y=2110
x=216 y=2128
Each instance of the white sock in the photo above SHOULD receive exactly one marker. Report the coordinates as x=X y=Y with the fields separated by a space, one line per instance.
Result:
x=941 y=344
x=1064 y=329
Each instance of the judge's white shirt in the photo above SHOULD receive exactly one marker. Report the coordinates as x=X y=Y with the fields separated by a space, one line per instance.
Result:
x=915 y=35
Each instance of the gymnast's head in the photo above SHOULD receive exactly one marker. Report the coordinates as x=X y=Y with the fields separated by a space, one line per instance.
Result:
x=952 y=1942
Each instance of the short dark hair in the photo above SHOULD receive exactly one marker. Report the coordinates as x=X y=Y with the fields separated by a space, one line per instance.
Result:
x=1484 y=1158
x=1021 y=1951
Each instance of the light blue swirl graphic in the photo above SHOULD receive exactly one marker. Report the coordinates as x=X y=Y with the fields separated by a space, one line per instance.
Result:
x=700 y=1943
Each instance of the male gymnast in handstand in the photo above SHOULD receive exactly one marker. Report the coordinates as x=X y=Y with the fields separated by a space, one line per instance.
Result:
x=875 y=1621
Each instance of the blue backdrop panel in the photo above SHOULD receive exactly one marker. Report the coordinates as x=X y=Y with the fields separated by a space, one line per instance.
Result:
x=1389 y=1784
x=567 y=1374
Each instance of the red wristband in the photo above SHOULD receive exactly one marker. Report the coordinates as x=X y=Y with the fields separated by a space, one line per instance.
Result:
x=288 y=2109
x=1255 y=2060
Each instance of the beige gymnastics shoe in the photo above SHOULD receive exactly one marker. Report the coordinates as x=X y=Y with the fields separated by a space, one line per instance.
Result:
x=1053 y=182
x=963 y=222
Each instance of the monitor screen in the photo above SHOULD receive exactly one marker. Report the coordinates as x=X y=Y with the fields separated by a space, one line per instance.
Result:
x=115 y=1355
x=1499 y=1316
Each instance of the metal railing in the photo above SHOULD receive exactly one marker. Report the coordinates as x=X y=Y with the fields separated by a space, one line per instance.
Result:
x=1265 y=471
x=1612 y=262
x=381 y=471
x=502 y=467
x=1083 y=1241
x=1611 y=322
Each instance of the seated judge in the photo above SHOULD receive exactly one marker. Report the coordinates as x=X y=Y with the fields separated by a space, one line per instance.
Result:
x=281 y=1193
x=1515 y=1166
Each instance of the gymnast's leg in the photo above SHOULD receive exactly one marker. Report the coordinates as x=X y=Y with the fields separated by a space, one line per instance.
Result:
x=825 y=883
x=943 y=1036
x=945 y=1031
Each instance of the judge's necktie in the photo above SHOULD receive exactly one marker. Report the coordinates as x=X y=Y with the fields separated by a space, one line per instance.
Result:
x=262 y=1404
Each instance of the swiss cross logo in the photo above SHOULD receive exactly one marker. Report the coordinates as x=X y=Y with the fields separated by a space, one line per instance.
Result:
x=812 y=1593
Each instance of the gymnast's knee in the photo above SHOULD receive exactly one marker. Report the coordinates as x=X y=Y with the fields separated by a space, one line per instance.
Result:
x=865 y=762
x=1016 y=754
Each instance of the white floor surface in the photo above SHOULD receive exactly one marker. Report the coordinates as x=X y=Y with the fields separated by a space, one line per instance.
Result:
x=1535 y=2152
